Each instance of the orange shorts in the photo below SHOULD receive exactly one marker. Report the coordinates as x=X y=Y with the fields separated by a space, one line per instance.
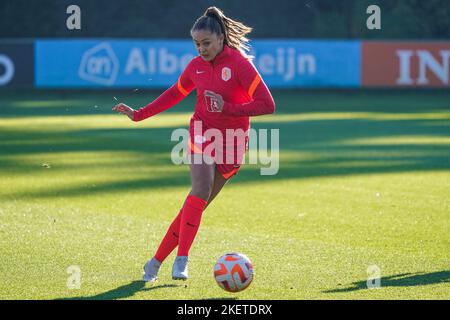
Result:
x=227 y=167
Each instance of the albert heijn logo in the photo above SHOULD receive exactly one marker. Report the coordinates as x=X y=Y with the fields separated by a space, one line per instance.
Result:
x=406 y=64
x=99 y=65
x=226 y=74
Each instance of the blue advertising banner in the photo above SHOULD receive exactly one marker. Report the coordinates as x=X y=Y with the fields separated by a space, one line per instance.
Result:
x=158 y=63
x=110 y=63
x=308 y=63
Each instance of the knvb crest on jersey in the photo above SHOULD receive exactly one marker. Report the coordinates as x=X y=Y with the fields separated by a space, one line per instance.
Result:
x=226 y=74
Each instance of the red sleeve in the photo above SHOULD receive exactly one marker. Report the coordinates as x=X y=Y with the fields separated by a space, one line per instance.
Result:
x=262 y=101
x=168 y=98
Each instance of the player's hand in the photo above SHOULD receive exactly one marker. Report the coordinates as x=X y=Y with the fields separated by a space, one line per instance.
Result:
x=216 y=99
x=124 y=109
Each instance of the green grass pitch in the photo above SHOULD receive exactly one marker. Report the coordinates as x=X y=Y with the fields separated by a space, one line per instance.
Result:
x=364 y=180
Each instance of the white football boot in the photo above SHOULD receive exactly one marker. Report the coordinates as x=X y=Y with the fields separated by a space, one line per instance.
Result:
x=180 y=268
x=151 y=269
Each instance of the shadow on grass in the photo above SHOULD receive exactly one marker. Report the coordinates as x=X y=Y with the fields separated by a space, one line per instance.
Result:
x=401 y=280
x=123 y=292
x=38 y=103
x=222 y=298
x=317 y=149
x=314 y=148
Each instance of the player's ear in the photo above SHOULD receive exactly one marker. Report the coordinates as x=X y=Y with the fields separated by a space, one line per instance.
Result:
x=221 y=38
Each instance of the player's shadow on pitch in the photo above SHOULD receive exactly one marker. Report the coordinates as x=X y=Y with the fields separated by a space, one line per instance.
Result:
x=401 y=280
x=123 y=292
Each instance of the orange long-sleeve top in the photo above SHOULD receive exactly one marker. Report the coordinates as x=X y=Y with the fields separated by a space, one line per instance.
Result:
x=230 y=74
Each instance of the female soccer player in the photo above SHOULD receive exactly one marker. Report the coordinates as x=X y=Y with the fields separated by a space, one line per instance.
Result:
x=229 y=91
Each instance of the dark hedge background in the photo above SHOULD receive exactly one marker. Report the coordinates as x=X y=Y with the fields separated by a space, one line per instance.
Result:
x=401 y=19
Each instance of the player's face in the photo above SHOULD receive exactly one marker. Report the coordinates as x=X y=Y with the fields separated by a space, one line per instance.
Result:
x=207 y=44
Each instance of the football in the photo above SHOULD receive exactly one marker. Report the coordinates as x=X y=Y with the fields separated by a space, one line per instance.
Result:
x=233 y=272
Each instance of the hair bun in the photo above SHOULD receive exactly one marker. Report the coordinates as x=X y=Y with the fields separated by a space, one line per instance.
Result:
x=212 y=12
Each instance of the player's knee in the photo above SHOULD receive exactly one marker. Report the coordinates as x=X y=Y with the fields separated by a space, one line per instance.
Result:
x=203 y=190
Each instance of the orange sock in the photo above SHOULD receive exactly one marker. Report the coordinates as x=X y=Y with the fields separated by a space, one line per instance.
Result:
x=170 y=240
x=190 y=222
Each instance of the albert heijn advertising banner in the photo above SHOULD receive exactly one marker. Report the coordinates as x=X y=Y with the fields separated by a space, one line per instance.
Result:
x=158 y=63
x=405 y=64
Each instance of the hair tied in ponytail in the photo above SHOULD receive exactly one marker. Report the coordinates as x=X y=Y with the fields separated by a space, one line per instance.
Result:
x=234 y=31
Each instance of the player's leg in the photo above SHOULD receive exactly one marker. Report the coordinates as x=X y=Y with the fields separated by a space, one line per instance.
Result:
x=202 y=179
x=207 y=182
x=171 y=238
x=219 y=183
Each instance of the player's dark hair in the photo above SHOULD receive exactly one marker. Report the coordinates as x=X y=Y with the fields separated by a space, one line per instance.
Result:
x=214 y=21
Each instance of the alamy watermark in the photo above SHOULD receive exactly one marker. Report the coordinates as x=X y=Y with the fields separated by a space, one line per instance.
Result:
x=73 y=21
x=373 y=277
x=74 y=279
x=227 y=147
x=374 y=20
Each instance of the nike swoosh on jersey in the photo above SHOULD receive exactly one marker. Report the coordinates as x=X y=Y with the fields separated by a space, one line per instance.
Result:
x=198 y=72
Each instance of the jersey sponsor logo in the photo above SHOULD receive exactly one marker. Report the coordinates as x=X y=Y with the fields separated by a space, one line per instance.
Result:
x=199 y=72
x=226 y=74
